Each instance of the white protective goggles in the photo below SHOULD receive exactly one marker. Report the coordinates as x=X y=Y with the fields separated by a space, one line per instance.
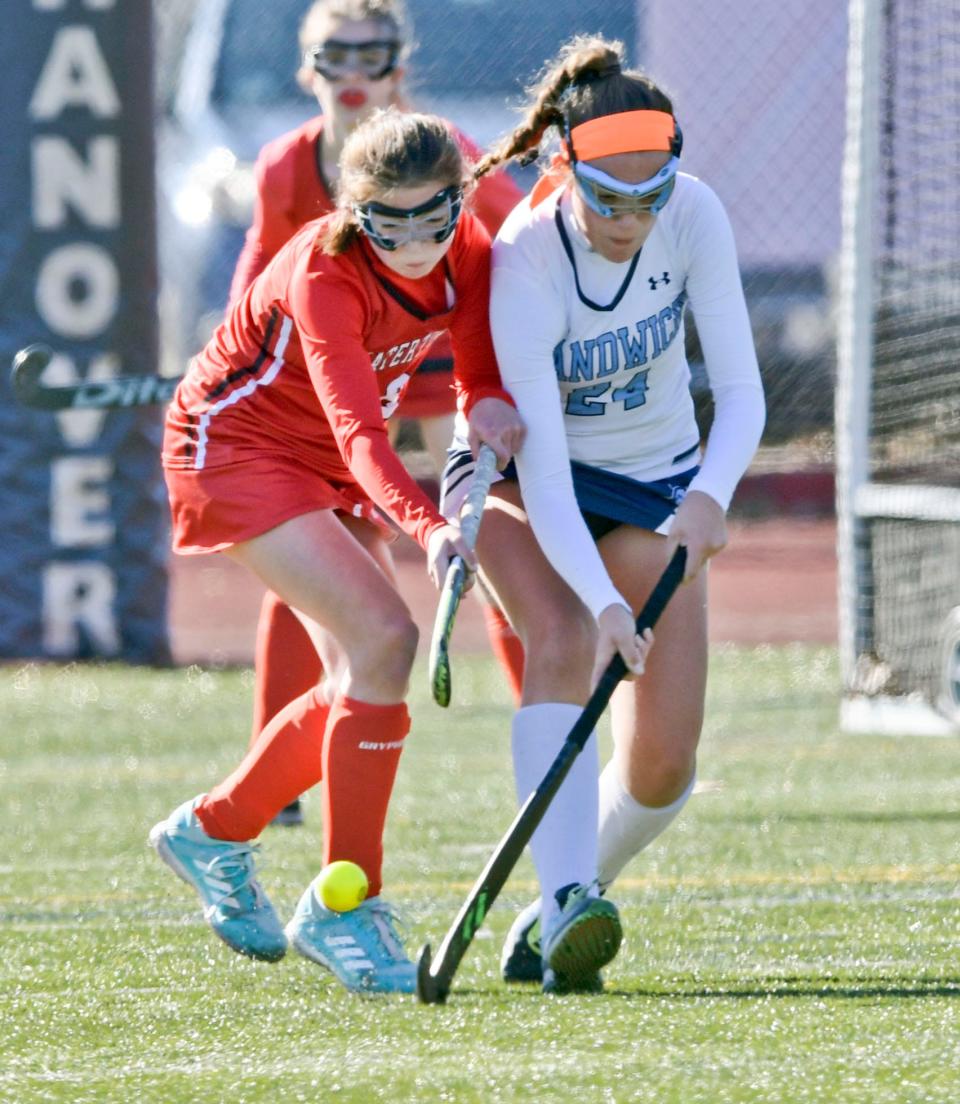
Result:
x=610 y=197
x=390 y=227
x=334 y=59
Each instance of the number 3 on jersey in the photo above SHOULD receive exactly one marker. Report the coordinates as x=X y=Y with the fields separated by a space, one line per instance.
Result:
x=589 y=401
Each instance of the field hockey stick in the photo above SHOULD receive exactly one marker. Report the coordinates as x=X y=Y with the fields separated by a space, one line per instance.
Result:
x=435 y=975
x=111 y=394
x=456 y=578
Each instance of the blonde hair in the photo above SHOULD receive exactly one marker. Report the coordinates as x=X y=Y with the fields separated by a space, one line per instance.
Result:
x=392 y=149
x=585 y=81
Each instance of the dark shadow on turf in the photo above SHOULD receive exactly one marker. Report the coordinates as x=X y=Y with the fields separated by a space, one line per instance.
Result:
x=847 y=817
x=793 y=988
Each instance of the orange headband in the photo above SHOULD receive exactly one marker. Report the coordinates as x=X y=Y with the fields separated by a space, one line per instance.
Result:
x=625 y=132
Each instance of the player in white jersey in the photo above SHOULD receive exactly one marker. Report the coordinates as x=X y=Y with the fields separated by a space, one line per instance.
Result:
x=591 y=277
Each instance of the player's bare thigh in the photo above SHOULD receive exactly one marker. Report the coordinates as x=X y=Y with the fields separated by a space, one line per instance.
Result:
x=557 y=631
x=333 y=658
x=340 y=578
x=657 y=718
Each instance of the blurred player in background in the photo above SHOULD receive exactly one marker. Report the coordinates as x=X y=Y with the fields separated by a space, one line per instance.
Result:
x=276 y=453
x=591 y=277
x=352 y=55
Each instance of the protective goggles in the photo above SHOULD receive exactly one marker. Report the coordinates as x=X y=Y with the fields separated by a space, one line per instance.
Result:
x=623 y=132
x=611 y=197
x=335 y=60
x=391 y=227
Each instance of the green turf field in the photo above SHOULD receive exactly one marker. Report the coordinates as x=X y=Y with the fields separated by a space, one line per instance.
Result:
x=794 y=937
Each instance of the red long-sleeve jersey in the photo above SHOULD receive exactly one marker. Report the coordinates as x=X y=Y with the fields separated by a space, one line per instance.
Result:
x=316 y=354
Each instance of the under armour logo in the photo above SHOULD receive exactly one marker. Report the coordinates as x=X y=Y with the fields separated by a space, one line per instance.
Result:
x=654 y=284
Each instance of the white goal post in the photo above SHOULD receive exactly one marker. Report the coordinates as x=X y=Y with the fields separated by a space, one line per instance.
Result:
x=898 y=385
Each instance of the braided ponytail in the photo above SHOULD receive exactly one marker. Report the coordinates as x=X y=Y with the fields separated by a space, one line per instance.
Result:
x=585 y=81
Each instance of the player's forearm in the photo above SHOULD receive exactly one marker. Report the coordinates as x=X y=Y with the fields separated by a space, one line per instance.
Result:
x=561 y=532
x=475 y=369
x=739 y=407
x=739 y=416
x=381 y=473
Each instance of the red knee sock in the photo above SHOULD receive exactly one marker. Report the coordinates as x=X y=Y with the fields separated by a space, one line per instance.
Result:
x=286 y=662
x=361 y=750
x=284 y=761
x=506 y=646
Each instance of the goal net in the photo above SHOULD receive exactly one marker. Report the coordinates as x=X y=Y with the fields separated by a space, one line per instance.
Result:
x=898 y=396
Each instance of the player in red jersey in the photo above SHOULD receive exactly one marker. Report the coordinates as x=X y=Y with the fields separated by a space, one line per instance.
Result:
x=276 y=453
x=352 y=55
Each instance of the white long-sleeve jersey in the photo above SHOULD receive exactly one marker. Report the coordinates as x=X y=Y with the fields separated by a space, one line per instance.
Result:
x=593 y=354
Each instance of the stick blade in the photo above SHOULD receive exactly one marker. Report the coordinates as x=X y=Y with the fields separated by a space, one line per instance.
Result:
x=429 y=990
x=441 y=683
x=28 y=366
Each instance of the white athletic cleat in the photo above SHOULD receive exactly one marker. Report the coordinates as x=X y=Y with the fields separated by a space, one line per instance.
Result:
x=584 y=936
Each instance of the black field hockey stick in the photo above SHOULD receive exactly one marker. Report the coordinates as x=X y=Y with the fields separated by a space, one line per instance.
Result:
x=435 y=975
x=112 y=394
x=454 y=583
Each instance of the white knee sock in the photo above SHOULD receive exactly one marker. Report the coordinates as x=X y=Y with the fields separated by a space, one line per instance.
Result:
x=626 y=826
x=564 y=845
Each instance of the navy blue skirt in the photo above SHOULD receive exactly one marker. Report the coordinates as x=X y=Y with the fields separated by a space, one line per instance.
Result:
x=606 y=500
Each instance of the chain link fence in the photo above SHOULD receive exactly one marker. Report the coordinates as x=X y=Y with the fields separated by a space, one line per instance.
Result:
x=758 y=89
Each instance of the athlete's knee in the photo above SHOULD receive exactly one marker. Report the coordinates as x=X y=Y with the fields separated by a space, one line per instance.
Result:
x=387 y=653
x=561 y=642
x=661 y=774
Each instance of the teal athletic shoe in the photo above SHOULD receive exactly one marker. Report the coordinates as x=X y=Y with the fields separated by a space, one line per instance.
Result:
x=224 y=875
x=360 y=947
x=585 y=936
x=520 y=959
